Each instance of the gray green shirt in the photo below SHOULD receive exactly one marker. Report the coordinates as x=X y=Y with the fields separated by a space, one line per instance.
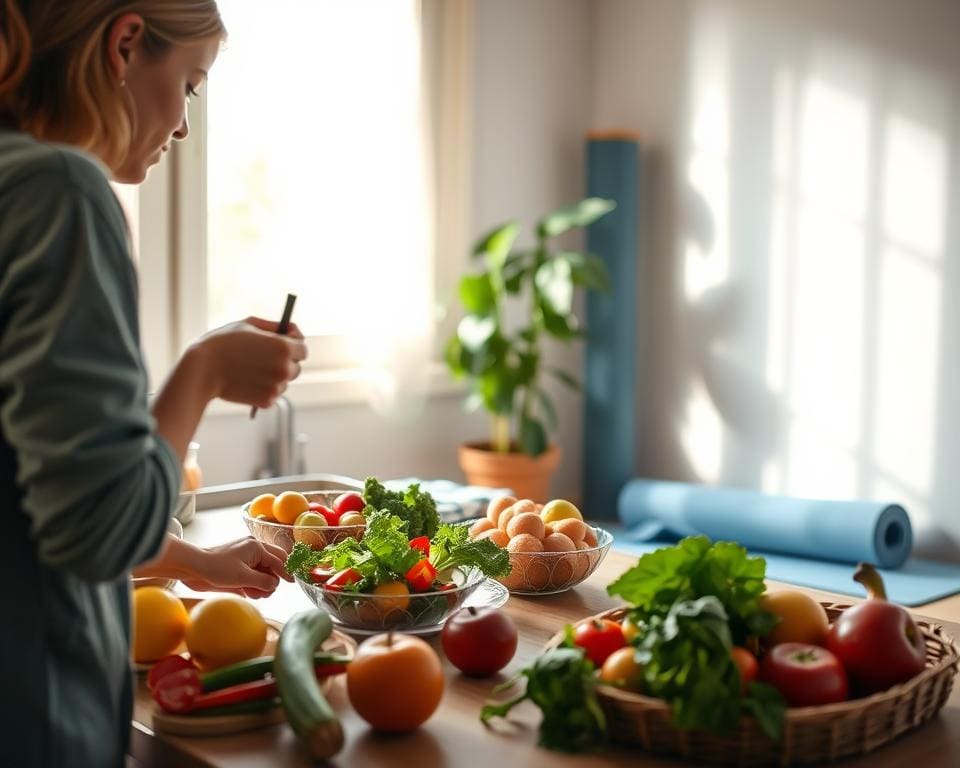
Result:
x=86 y=485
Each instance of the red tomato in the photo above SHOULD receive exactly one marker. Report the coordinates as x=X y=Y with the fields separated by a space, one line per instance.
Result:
x=351 y=501
x=320 y=575
x=747 y=665
x=166 y=666
x=421 y=576
x=806 y=675
x=342 y=578
x=599 y=638
x=422 y=543
x=332 y=518
x=479 y=641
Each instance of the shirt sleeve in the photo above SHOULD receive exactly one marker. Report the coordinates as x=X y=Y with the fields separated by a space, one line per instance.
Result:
x=98 y=483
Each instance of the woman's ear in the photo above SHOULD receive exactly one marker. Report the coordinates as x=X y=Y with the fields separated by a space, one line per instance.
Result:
x=123 y=43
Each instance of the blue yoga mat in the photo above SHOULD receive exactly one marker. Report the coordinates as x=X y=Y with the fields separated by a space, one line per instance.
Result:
x=807 y=542
x=846 y=531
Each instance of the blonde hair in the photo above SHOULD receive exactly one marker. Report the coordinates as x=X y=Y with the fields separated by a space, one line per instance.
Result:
x=55 y=80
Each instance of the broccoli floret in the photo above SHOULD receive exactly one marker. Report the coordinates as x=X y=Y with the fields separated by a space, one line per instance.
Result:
x=413 y=505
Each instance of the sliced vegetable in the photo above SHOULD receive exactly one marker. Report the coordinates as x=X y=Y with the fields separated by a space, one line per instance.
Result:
x=309 y=714
x=421 y=576
x=245 y=708
x=165 y=666
x=343 y=578
x=422 y=543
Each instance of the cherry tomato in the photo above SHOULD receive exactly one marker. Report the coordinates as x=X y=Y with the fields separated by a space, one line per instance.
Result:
x=351 y=501
x=747 y=666
x=621 y=669
x=806 y=675
x=599 y=638
x=479 y=641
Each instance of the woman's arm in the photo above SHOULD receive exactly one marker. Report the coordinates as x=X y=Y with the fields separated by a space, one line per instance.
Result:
x=245 y=566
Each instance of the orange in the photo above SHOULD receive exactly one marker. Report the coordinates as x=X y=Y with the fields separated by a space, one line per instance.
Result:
x=159 y=623
x=223 y=630
x=288 y=506
x=802 y=619
x=262 y=506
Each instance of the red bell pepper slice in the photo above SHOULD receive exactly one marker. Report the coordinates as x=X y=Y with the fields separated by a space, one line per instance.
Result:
x=422 y=543
x=421 y=576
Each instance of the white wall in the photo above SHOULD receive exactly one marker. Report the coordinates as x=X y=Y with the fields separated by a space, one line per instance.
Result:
x=532 y=73
x=801 y=258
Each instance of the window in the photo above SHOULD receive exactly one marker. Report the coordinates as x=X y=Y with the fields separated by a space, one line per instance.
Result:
x=327 y=159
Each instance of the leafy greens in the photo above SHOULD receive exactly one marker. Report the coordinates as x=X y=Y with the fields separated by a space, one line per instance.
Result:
x=413 y=505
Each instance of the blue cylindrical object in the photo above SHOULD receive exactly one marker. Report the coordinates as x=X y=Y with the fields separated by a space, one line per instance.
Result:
x=610 y=357
x=848 y=531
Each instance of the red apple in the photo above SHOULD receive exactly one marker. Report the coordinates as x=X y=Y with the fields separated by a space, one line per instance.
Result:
x=878 y=642
x=479 y=641
x=351 y=501
x=331 y=516
x=805 y=675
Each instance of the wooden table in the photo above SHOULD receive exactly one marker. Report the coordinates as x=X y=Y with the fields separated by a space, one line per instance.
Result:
x=454 y=735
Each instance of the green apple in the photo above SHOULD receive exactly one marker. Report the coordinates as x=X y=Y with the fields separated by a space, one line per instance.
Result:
x=311 y=519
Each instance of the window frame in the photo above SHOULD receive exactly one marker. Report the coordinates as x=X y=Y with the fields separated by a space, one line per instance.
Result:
x=172 y=224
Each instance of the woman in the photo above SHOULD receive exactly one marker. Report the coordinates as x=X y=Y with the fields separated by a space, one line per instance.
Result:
x=89 y=475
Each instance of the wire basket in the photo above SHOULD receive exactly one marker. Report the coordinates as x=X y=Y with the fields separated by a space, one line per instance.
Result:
x=810 y=735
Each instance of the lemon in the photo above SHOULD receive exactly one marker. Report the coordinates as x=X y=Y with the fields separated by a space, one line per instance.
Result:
x=262 y=506
x=559 y=509
x=159 y=623
x=289 y=505
x=224 y=630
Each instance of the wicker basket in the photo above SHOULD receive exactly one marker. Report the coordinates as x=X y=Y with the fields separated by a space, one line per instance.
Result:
x=811 y=734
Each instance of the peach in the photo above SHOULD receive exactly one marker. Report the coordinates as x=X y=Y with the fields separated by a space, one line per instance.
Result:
x=496 y=506
x=483 y=524
x=574 y=529
x=525 y=522
x=558 y=542
x=497 y=536
x=589 y=536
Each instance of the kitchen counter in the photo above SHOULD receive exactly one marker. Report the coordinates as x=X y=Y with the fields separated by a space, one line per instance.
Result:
x=454 y=735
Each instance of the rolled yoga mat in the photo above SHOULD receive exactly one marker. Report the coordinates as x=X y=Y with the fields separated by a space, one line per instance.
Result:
x=845 y=531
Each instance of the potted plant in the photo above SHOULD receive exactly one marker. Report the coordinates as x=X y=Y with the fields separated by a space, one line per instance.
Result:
x=503 y=360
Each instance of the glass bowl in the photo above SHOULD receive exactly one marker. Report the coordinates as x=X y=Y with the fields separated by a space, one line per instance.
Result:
x=546 y=573
x=284 y=535
x=377 y=613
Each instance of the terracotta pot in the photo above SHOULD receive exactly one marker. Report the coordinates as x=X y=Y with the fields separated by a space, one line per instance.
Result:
x=528 y=476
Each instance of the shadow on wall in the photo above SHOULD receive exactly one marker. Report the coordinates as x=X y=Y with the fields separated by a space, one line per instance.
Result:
x=810 y=328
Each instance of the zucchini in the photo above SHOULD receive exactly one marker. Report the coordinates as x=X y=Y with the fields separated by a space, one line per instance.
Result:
x=244 y=708
x=308 y=712
x=254 y=669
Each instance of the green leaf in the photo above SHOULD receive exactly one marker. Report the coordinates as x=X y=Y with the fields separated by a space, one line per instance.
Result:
x=533 y=437
x=587 y=270
x=474 y=331
x=560 y=326
x=546 y=405
x=580 y=215
x=496 y=244
x=564 y=377
x=554 y=281
x=478 y=294
x=514 y=270
x=765 y=703
x=453 y=355
x=527 y=369
x=472 y=402
x=497 y=387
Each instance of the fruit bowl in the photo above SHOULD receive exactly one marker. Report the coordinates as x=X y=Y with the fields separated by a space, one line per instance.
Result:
x=284 y=535
x=546 y=573
x=419 y=611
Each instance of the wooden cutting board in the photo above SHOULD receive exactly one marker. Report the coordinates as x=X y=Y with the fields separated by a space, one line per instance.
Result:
x=221 y=725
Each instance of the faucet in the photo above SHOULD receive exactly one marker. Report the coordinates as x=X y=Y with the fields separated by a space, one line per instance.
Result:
x=286 y=452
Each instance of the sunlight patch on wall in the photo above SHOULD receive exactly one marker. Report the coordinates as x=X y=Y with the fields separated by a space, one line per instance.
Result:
x=818 y=465
x=702 y=434
x=706 y=256
x=826 y=368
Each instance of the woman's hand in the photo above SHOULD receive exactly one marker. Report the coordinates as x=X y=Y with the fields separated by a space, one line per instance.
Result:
x=247 y=567
x=248 y=363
